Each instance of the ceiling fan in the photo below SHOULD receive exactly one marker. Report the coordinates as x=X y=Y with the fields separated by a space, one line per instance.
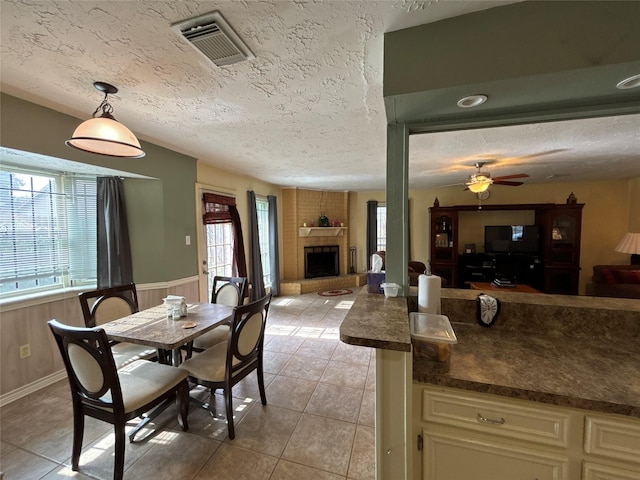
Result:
x=480 y=181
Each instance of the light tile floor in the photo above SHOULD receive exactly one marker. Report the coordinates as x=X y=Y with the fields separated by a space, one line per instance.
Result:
x=318 y=423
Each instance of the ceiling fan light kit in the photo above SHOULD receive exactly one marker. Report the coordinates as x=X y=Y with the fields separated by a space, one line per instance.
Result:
x=479 y=182
x=479 y=185
x=103 y=134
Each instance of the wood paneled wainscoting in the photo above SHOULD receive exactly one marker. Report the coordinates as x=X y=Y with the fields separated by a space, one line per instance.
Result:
x=25 y=322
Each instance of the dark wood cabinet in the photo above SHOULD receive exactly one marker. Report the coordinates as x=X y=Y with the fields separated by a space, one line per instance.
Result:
x=554 y=269
x=444 y=245
x=561 y=248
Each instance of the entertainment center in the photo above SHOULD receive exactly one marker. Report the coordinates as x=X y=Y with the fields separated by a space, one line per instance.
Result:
x=544 y=254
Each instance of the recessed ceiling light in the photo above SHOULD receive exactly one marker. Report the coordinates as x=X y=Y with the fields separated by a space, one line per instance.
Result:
x=472 y=101
x=631 y=82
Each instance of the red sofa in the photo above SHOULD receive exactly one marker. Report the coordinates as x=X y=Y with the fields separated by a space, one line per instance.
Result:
x=622 y=281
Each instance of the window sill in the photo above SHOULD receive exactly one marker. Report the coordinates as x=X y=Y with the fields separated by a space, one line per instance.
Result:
x=32 y=299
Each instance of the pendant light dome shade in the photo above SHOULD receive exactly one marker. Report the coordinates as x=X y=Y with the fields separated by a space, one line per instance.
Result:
x=104 y=135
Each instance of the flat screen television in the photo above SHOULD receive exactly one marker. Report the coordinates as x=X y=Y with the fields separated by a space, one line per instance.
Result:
x=511 y=239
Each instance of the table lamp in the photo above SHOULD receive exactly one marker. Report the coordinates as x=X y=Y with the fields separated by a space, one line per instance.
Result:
x=630 y=243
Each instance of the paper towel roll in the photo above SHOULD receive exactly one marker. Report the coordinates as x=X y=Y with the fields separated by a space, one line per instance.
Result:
x=429 y=294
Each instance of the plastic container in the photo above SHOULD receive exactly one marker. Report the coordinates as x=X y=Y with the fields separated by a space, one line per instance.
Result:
x=390 y=289
x=433 y=338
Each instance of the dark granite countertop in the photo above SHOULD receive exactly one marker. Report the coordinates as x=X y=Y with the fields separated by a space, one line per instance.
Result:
x=377 y=321
x=592 y=374
x=559 y=357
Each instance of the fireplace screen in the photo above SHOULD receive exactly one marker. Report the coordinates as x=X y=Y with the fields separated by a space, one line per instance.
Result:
x=321 y=261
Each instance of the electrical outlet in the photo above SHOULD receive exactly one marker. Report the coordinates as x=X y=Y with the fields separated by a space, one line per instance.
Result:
x=25 y=350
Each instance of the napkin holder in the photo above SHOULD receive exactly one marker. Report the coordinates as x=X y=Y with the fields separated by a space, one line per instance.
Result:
x=176 y=306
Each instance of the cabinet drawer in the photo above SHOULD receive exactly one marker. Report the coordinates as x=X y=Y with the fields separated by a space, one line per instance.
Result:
x=613 y=438
x=448 y=457
x=538 y=424
x=593 y=471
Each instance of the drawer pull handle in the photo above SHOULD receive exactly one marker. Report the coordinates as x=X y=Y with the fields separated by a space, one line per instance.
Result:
x=492 y=421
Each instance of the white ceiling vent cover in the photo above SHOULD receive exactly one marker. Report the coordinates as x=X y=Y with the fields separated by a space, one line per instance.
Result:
x=212 y=36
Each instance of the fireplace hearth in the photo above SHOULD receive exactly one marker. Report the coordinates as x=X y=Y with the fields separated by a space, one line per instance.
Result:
x=321 y=261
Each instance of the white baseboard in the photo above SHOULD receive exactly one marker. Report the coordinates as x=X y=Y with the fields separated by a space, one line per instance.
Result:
x=32 y=387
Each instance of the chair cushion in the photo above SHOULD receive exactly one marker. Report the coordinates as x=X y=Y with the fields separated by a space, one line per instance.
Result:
x=142 y=381
x=210 y=364
x=212 y=337
x=608 y=276
x=627 y=276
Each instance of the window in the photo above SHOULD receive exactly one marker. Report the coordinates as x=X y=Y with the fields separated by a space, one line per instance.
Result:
x=381 y=235
x=262 y=208
x=225 y=246
x=219 y=251
x=47 y=231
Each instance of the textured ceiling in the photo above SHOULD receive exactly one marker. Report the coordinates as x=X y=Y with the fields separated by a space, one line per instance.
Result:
x=307 y=111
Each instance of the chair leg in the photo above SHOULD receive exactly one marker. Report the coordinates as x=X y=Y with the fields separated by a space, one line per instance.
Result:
x=228 y=397
x=263 y=395
x=78 y=434
x=182 y=406
x=118 y=467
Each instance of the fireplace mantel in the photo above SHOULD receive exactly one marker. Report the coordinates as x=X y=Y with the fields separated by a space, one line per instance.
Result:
x=322 y=231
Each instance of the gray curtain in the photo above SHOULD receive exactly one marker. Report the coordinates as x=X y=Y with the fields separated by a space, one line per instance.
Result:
x=256 y=277
x=273 y=245
x=372 y=230
x=114 y=249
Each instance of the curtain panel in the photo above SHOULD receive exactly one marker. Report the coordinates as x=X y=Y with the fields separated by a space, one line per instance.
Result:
x=256 y=278
x=273 y=245
x=372 y=230
x=222 y=209
x=113 y=246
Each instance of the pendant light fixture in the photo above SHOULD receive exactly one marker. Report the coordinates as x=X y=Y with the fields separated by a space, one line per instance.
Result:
x=104 y=135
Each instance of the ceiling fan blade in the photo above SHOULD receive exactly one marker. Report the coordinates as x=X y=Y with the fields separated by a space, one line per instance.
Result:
x=451 y=185
x=509 y=177
x=503 y=182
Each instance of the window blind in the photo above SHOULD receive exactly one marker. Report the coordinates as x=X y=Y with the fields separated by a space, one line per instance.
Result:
x=47 y=230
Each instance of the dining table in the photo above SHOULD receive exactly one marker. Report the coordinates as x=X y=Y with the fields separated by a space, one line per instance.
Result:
x=157 y=328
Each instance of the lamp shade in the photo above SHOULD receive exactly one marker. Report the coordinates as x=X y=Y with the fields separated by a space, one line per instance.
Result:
x=630 y=243
x=106 y=136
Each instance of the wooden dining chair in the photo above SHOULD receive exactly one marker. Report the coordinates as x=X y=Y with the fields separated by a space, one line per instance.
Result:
x=226 y=291
x=225 y=364
x=101 y=391
x=107 y=304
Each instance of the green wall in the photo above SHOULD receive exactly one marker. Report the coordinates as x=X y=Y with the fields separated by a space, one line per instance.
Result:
x=511 y=41
x=160 y=211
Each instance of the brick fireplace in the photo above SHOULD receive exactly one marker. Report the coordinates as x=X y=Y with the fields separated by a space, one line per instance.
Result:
x=301 y=206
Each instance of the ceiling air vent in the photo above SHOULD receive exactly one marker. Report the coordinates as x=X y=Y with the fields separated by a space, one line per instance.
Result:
x=212 y=36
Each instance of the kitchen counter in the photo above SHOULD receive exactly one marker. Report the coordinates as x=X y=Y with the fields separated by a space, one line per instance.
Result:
x=566 y=359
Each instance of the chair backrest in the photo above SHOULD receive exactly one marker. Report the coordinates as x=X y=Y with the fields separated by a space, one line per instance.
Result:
x=106 y=304
x=228 y=290
x=246 y=335
x=90 y=366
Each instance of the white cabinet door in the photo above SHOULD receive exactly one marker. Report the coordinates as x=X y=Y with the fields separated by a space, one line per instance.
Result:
x=448 y=457
x=594 y=471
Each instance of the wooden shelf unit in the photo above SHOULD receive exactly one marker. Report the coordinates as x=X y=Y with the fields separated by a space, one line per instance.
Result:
x=560 y=231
